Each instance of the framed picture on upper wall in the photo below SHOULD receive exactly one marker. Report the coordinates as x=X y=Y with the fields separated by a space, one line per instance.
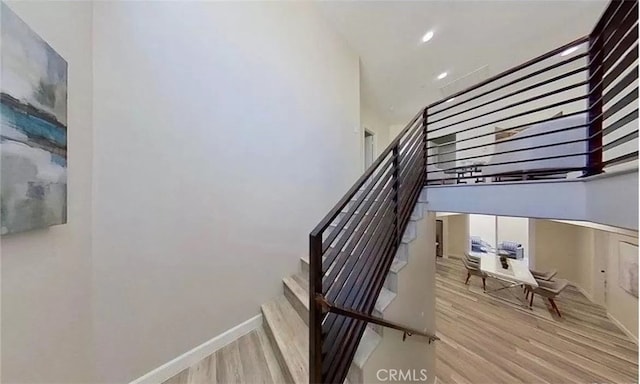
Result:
x=33 y=129
x=628 y=267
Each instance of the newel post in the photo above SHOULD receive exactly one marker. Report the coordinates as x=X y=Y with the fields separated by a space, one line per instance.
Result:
x=315 y=309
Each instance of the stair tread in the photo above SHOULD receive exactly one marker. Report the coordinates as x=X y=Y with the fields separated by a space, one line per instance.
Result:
x=272 y=361
x=291 y=337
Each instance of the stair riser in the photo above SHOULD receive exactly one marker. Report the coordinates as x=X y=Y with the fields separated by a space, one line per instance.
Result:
x=354 y=375
x=391 y=282
x=410 y=233
x=379 y=329
x=300 y=308
x=403 y=252
x=418 y=212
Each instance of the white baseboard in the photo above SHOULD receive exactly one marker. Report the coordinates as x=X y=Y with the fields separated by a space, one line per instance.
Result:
x=584 y=292
x=623 y=328
x=609 y=315
x=189 y=358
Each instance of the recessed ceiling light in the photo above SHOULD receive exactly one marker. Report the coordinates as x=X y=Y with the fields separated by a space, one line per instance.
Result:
x=569 y=51
x=427 y=36
x=451 y=99
x=442 y=75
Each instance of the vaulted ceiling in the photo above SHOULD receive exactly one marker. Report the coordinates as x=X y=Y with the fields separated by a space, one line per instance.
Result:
x=399 y=72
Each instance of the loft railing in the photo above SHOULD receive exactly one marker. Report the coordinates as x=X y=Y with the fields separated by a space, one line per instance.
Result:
x=571 y=110
x=351 y=251
x=613 y=84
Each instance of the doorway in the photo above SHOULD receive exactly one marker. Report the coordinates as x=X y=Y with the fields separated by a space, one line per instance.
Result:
x=439 y=237
x=445 y=151
x=368 y=149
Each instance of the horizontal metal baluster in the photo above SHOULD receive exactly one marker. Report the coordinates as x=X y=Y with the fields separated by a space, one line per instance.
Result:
x=519 y=91
x=348 y=232
x=354 y=207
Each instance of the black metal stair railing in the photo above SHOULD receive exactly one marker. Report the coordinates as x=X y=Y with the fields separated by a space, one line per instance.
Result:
x=351 y=251
x=588 y=88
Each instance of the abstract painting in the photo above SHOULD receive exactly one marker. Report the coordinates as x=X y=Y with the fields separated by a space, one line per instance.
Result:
x=33 y=129
x=628 y=268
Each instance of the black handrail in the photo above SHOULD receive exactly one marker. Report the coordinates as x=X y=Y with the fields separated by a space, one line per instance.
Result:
x=408 y=331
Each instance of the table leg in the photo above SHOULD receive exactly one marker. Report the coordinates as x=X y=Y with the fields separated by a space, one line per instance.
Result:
x=522 y=301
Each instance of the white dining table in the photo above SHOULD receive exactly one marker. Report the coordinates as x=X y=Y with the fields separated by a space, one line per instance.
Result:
x=516 y=275
x=518 y=272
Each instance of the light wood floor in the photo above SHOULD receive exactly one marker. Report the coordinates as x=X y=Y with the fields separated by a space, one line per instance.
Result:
x=483 y=340
x=249 y=359
x=487 y=340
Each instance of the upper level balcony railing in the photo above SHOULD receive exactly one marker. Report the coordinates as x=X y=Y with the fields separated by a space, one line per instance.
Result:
x=571 y=112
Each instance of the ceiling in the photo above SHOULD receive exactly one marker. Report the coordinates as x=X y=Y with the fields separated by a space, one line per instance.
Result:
x=399 y=71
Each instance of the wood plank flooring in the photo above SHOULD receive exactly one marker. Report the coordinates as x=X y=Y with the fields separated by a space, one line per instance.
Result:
x=249 y=359
x=484 y=339
x=488 y=340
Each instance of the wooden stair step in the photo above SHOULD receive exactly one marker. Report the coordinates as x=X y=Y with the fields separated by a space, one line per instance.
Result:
x=290 y=338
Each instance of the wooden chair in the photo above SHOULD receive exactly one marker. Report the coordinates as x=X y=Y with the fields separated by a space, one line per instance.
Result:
x=473 y=268
x=549 y=290
x=543 y=275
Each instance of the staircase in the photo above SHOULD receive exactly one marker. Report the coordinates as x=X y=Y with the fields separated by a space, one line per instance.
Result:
x=286 y=317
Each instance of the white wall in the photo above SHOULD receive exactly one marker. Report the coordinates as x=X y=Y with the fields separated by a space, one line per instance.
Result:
x=621 y=211
x=621 y=305
x=483 y=226
x=224 y=131
x=557 y=200
x=46 y=274
x=578 y=199
x=376 y=124
x=458 y=235
x=514 y=229
x=395 y=129
x=557 y=247
x=588 y=258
